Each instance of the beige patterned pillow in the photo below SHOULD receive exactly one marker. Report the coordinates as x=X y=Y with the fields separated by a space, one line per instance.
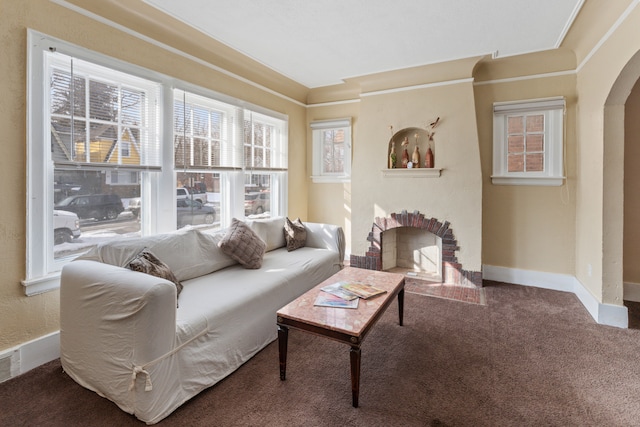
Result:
x=295 y=234
x=146 y=262
x=243 y=244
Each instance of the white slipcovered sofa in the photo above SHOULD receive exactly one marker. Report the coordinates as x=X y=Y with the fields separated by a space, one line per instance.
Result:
x=122 y=336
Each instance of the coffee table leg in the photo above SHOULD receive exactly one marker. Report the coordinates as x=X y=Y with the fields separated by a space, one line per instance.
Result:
x=355 y=375
x=283 y=335
x=401 y=305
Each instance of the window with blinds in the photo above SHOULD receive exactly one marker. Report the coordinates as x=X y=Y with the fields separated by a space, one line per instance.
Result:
x=101 y=117
x=203 y=130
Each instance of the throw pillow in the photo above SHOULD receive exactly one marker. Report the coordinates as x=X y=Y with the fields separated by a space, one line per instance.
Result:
x=295 y=234
x=242 y=244
x=146 y=262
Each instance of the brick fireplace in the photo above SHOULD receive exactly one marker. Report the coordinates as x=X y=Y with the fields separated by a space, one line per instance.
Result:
x=451 y=271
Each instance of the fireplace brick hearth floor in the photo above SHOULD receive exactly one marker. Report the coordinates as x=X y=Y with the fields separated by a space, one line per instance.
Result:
x=422 y=285
x=443 y=290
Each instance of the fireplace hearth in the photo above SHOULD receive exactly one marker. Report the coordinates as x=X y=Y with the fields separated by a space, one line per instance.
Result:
x=450 y=271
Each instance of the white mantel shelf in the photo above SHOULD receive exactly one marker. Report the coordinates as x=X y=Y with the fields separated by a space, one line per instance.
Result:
x=412 y=173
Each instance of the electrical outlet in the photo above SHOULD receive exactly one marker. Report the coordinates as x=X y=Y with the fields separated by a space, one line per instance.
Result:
x=589 y=270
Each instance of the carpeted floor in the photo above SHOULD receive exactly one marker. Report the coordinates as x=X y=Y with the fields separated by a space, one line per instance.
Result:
x=529 y=357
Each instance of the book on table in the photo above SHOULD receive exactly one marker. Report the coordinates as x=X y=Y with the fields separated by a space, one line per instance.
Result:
x=337 y=290
x=325 y=299
x=362 y=290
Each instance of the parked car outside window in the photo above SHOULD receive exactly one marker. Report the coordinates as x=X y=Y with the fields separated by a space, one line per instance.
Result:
x=257 y=203
x=134 y=206
x=96 y=206
x=66 y=227
x=192 y=212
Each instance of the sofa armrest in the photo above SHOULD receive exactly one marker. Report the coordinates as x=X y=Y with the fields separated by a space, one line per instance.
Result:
x=326 y=236
x=112 y=319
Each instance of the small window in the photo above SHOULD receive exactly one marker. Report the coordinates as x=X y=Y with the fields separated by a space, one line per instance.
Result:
x=528 y=142
x=331 y=150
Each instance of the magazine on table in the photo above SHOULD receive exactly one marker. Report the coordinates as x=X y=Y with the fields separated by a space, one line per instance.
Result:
x=337 y=290
x=362 y=290
x=325 y=299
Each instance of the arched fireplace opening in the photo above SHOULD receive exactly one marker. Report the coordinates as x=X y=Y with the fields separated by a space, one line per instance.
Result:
x=412 y=242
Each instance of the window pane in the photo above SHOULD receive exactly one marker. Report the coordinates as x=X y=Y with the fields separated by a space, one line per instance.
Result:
x=516 y=162
x=198 y=200
x=257 y=199
x=535 y=162
x=132 y=107
x=535 y=123
x=514 y=125
x=104 y=101
x=333 y=151
x=91 y=207
x=535 y=143
x=516 y=144
x=64 y=94
x=65 y=139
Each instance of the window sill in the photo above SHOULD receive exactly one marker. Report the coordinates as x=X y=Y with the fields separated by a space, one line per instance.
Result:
x=412 y=173
x=42 y=284
x=541 y=181
x=330 y=179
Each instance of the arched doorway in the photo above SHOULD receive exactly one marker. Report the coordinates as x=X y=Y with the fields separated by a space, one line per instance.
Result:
x=619 y=230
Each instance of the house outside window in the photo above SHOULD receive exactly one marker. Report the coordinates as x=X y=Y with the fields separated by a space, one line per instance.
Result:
x=331 y=150
x=528 y=142
x=110 y=144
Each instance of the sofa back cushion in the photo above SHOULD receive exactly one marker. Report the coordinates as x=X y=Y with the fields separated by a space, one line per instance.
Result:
x=188 y=253
x=270 y=230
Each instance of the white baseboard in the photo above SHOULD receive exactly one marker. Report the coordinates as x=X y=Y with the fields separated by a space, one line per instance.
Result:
x=604 y=314
x=29 y=355
x=632 y=291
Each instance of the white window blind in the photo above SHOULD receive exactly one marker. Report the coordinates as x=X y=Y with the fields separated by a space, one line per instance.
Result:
x=204 y=131
x=265 y=142
x=100 y=117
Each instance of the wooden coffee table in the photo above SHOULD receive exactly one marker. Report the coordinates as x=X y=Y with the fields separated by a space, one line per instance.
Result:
x=346 y=325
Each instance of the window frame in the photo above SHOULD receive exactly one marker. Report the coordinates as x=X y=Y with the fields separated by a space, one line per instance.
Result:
x=553 y=110
x=317 y=130
x=157 y=188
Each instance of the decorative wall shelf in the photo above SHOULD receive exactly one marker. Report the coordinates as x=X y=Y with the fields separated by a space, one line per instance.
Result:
x=412 y=173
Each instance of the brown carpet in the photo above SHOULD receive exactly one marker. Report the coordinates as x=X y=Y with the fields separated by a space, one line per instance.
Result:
x=530 y=357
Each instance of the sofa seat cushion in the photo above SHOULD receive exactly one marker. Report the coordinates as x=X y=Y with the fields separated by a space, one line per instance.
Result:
x=227 y=296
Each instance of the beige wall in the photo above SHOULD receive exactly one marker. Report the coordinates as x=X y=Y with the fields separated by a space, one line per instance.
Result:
x=631 y=245
x=25 y=318
x=527 y=227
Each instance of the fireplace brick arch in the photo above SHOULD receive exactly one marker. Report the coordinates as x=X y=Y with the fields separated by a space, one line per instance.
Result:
x=452 y=271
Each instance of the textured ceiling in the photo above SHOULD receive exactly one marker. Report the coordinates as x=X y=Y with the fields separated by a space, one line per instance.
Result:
x=320 y=43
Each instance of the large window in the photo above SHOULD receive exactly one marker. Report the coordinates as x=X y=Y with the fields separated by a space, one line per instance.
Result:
x=111 y=146
x=528 y=142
